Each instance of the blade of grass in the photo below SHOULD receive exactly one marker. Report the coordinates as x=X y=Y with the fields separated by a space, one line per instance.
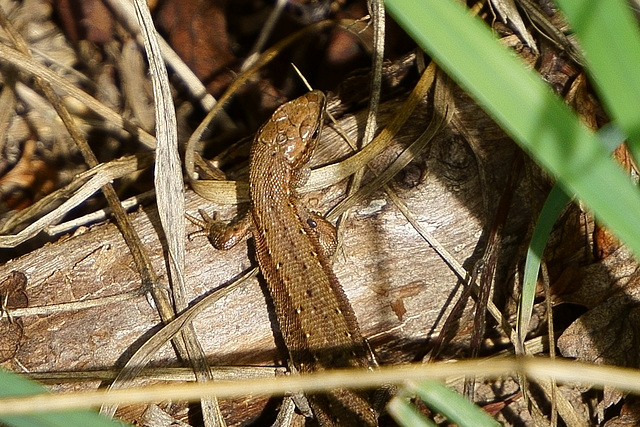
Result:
x=451 y=404
x=611 y=137
x=16 y=385
x=525 y=108
x=551 y=210
x=407 y=415
x=610 y=38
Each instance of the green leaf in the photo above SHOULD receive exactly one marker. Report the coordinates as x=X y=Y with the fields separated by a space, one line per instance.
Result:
x=525 y=108
x=12 y=385
x=451 y=404
x=551 y=210
x=407 y=415
x=609 y=36
x=612 y=137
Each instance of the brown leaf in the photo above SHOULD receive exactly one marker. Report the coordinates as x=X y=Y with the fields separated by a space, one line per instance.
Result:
x=609 y=333
x=604 y=242
x=593 y=284
x=198 y=32
x=29 y=180
x=629 y=414
x=85 y=20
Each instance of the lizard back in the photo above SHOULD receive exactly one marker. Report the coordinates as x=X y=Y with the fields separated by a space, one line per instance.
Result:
x=316 y=320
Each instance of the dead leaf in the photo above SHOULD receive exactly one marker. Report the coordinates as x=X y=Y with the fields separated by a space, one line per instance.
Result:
x=629 y=414
x=609 y=333
x=85 y=20
x=29 y=180
x=509 y=14
x=198 y=33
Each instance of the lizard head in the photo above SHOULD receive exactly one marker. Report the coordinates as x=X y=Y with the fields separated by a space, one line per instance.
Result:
x=293 y=130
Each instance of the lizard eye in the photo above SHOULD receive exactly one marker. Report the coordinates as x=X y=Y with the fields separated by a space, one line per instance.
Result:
x=316 y=133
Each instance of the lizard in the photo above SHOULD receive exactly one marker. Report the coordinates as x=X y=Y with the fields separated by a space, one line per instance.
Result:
x=293 y=248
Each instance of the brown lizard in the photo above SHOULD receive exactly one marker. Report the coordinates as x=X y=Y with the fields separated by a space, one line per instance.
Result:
x=317 y=322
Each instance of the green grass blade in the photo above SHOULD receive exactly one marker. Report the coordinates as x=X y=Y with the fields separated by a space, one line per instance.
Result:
x=406 y=415
x=612 y=137
x=551 y=210
x=451 y=404
x=608 y=34
x=14 y=385
x=525 y=108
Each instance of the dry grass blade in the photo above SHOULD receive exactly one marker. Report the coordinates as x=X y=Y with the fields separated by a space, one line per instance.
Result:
x=32 y=67
x=85 y=185
x=168 y=175
x=562 y=371
x=73 y=306
x=160 y=374
x=265 y=58
x=170 y=198
x=126 y=16
x=265 y=32
x=509 y=15
x=99 y=215
x=233 y=192
x=143 y=355
x=438 y=122
x=338 y=171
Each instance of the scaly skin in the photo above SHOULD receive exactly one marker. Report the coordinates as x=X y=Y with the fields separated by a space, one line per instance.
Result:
x=317 y=321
